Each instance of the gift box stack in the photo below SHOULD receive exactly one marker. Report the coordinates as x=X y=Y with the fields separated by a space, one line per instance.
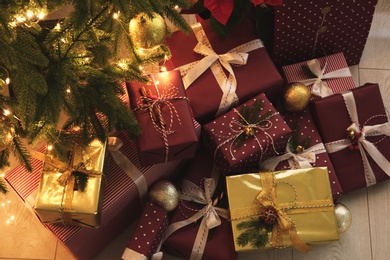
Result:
x=251 y=173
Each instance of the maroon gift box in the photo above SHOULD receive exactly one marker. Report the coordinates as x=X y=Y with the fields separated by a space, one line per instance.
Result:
x=258 y=75
x=181 y=140
x=219 y=244
x=121 y=203
x=148 y=233
x=269 y=138
x=306 y=128
x=331 y=63
x=306 y=30
x=332 y=119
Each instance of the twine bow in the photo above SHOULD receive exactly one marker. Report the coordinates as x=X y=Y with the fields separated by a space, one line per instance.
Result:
x=320 y=87
x=153 y=104
x=295 y=160
x=216 y=62
x=209 y=213
x=364 y=145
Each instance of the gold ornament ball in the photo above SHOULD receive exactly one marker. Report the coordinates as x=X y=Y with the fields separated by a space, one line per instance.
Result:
x=146 y=31
x=343 y=217
x=296 y=97
x=164 y=194
x=7 y=132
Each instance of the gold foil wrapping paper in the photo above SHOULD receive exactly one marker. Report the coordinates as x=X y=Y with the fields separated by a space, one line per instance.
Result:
x=85 y=206
x=294 y=187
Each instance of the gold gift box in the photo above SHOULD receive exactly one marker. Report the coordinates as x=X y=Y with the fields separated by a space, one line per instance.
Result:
x=86 y=205
x=295 y=188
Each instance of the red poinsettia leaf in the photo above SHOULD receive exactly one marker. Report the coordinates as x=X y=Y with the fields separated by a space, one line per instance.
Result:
x=257 y=2
x=269 y=2
x=220 y=9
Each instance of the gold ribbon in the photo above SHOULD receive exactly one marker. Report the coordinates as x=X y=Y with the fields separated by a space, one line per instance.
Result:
x=267 y=198
x=66 y=179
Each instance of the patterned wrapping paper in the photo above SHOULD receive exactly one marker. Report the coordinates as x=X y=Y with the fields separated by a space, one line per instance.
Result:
x=259 y=74
x=360 y=158
x=311 y=213
x=308 y=29
x=177 y=139
x=314 y=155
x=332 y=72
x=121 y=204
x=270 y=137
x=148 y=234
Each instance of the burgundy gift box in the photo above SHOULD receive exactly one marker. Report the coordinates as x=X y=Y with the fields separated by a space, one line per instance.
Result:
x=258 y=75
x=336 y=75
x=219 y=240
x=314 y=155
x=269 y=137
x=121 y=203
x=176 y=140
x=306 y=30
x=352 y=148
x=148 y=233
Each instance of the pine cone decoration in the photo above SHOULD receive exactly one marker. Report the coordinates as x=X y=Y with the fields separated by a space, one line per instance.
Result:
x=269 y=216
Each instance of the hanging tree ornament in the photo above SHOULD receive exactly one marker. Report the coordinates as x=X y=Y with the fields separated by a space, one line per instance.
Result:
x=7 y=132
x=147 y=31
x=164 y=194
x=343 y=217
x=295 y=97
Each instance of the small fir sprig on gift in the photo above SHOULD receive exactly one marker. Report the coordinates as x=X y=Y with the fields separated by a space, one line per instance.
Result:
x=81 y=180
x=251 y=115
x=297 y=144
x=256 y=233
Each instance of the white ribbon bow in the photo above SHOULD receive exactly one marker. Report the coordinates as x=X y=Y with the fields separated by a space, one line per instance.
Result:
x=320 y=88
x=209 y=212
x=363 y=144
x=228 y=84
x=296 y=161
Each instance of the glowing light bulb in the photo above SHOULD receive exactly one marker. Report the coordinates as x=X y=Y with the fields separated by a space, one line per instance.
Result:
x=176 y=7
x=2 y=175
x=6 y=112
x=63 y=40
x=115 y=16
x=41 y=15
x=157 y=82
x=163 y=69
x=140 y=68
x=49 y=147
x=29 y=14
x=68 y=90
x=7 y=81
x=122 y=65
x=86 y=59
x=58 y=26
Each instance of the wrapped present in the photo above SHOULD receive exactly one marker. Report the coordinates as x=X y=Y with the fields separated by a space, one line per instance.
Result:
x=200 y=224
x=305 y=149
x=148 y=233
x=125 y=193
x=163 y=112
x=304 y=31
x=324 y=76
x=354 y=127
x=281 y=209
x=61 y=196
x=228 y=72
x=246 y=135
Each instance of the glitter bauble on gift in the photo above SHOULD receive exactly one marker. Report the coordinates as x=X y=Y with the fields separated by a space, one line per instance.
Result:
x=147 y=31
x=7 y=132
x=343 y=217
x=164 y=194
x=295 y=97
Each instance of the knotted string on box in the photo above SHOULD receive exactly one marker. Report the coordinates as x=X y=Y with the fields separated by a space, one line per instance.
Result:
x=361 y=132
x=153 y=104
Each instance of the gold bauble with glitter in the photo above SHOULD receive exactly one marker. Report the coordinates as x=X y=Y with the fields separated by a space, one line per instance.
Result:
x=147 y=31
x=7 y=132
x=343 y=217
x=164 y=194
x=295 y=97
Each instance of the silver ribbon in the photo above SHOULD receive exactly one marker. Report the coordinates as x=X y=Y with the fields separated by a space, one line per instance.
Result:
x=216 y=62
x=209 y=213
x=296 y=161
x=363 y=144
x=114 y=144
x=320 y=87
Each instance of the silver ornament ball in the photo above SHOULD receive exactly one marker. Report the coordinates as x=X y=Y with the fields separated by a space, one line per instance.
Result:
x=343 y=217
x=164 y=194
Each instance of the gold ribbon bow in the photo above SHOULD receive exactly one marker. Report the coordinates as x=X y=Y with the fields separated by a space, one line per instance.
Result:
x=267 y=199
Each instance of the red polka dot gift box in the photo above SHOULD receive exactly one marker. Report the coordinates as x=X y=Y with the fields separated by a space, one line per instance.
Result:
x=222 y=73
x=355 y=129
x=243 y=137
x=309 y=29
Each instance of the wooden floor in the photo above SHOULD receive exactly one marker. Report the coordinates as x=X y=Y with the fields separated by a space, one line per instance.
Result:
x=368 y=237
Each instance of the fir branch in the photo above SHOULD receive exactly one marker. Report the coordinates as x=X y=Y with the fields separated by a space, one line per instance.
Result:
x=4 y=158
x=81 y=180
x=21 y=153
x=297 y=140
x=256 y=233
x=176 y=19
x=3 y=186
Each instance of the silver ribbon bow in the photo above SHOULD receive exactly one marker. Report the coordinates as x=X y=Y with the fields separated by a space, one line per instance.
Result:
x=216 y=62
x=320 y=87
x=363 y=144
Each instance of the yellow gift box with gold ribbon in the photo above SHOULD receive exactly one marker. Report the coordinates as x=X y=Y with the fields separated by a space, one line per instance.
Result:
x=291 y=208
x=58 y=197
